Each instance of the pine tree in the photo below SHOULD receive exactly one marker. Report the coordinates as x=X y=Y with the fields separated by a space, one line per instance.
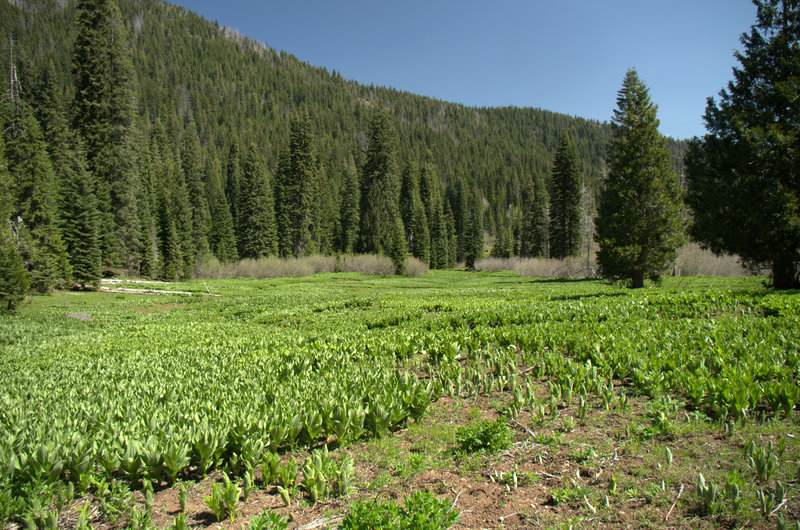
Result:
x=175 y=214
x=103 y=116
x=408 y=188
x=326 y=213
x=233 y=177
x=380 y=188
x=14 y=279
x=475 y=233
x=534 y=229
x=222 y=238
x=350 y=208
x=34 y=196
x=193 y=173
x=181 y=207
x=433 y=200
x=172 y=262
x=80 y=221
x=77 y=212
x=397 y=251
x=148 y=212
x=450 y=231
x=640 y=222
x=504 y=240
x=743 y=176
x=565 y=203
x=257 y=216
x=415 y=220
x=460 y=207
x=297 y=191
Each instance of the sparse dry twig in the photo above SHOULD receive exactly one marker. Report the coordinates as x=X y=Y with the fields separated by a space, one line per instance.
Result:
x=680 y=492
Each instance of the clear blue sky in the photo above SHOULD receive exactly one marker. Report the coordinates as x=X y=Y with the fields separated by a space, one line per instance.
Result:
x=567 y=56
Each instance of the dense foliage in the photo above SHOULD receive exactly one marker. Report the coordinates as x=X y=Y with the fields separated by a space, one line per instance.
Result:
x=166 y=389
x=744 y=175
x=640 y=223
x=565 y=203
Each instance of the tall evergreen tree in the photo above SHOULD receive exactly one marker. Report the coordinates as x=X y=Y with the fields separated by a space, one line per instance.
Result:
x=640 y=222
x=103 y=115
x=450 y=230
x=148 y=212
x=534 y=229
x=172 y=258
x=475 y=232
x=296 y=190
x=397 y=251
x=326 y=213
x=14 y=279
x=194 y=174
x=222 y=237
x=433 y=200
x=409 y=186
x=174 y=213
x=34 y=193
x=565 y=203
x=744 y=174
x=77 y=212
x=80 y=219
x=257 y=216
x=380 y=187
x=233 y=177
x=460 y=208
x=415 y=220
x=350 y=208
x=504 y=240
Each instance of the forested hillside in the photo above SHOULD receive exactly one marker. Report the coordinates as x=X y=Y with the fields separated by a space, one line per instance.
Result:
x=142 y=137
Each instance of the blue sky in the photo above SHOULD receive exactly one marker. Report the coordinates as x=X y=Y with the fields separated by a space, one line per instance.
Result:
x=567 y=56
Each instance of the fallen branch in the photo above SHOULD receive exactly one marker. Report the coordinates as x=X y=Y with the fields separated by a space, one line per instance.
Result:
x=548 y=475
x=523 y=427
x=673 y=504
x=456 y=500
x=781 y=505
x=322 y=522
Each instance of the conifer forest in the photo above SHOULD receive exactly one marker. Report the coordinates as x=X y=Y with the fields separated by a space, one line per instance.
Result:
x=183 y=139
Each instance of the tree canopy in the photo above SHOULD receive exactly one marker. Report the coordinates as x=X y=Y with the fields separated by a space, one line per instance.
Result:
x=640 y=222
x=744 y=175
x=565 y=209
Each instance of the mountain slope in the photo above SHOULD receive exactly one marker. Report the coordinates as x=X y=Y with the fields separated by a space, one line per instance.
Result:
x=235 y=89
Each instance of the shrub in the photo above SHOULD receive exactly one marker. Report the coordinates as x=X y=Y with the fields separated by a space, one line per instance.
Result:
x=367 y=264
x=414 y=267
x=488 y=436
x=274 y=267
x=694 y=261
x=573 y=267
x=421 y=511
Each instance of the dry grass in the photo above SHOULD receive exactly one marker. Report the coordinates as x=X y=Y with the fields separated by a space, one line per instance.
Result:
x=541 y=267
x=694 y=261
x=366 y=264
x=414 y=267
x=274 y=267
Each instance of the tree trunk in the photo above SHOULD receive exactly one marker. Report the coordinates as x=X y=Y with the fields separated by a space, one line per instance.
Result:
x=786 y=273
x=637 y=280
